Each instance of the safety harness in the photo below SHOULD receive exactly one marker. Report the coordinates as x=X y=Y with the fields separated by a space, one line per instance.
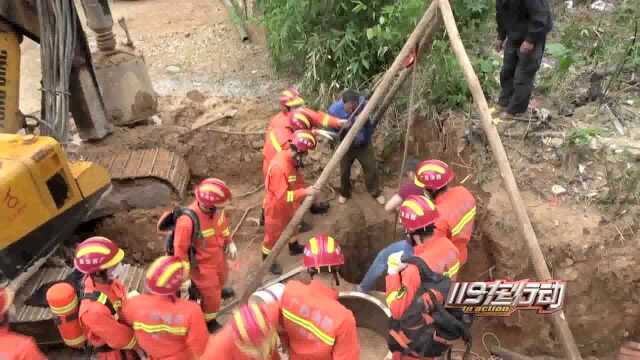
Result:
x=168 y=223
x=102 y=298
x=427 y=328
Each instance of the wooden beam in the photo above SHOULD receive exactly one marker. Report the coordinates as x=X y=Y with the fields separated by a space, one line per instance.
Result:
x=563 y=332
x=428 y=17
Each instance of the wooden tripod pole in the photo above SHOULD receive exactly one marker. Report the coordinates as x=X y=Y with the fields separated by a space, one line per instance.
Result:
x=563 y=332
x=428 y=17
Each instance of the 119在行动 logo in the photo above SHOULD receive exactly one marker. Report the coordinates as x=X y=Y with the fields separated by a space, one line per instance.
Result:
x=503 y=298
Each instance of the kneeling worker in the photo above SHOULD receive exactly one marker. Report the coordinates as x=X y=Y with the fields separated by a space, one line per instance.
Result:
x=166 y=326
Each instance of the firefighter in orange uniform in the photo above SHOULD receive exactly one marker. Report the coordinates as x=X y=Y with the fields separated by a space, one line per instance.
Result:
x=250 y=334
x=315 y=324
x=209 y=272
x=284 y=191
x=103 y=294
x=418 y=215
x=167 y=327
x=14 y=346
x=456 y=205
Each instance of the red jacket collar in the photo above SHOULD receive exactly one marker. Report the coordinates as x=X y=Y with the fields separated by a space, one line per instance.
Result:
x=317 y=287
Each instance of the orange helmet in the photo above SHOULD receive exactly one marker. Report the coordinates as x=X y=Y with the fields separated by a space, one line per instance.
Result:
x=97 y=253
x=303 y=140
x=291 y=98
x=212 y=192
x=433 y=175
x=166 y=274
x=253 y=331
x=6 y=299
x=299 y=121
x=322 y=250
x=417 y=212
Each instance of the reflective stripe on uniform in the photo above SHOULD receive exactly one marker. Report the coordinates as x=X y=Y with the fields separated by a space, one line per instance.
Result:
x=395 y=295
x=452 y=271
x=325 y=120
x=210 y=316
x=132 y=343
x=226 y=232
x=74 y=342
x=63 y=310
x=274 y=142
x=152 y=329
x=467 y=218
x=309 y=326
x=290 y=196
x=208 y=232
x=265 y=250
x=292 y=178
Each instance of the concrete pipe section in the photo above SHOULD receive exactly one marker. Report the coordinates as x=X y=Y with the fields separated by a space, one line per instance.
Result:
x=372 y=317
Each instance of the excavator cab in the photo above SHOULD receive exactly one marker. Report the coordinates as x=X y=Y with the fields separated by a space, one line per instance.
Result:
x=43 y=198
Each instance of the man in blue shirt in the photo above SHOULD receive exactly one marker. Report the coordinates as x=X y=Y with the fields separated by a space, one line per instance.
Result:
x=348 y=107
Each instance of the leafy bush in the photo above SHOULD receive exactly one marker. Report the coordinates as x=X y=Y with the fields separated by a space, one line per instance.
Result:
x=335 y=44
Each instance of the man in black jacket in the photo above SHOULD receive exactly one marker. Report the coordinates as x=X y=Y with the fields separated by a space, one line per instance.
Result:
x=523 y=26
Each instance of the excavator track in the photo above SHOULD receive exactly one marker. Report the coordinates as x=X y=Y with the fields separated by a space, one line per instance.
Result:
x=39 y=321
x=157 y=163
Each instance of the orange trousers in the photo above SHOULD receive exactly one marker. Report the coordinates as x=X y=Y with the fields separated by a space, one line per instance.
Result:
x=209 y=282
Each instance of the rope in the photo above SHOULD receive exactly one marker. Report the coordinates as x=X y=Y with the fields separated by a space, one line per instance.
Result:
x=411 y=118
x=484 y=343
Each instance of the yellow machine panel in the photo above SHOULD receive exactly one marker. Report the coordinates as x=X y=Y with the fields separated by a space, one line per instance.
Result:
x=10 y=122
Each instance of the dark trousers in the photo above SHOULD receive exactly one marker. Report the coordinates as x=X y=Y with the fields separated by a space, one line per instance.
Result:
x=366 y=158
x=517 y=76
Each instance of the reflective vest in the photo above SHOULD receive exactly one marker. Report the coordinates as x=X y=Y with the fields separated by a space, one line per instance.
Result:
x=457 y=209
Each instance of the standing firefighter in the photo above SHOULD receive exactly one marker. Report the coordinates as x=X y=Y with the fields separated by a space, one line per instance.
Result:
x=284 y=191
x=102 y=297
x=14 y=346
x=250 y=334
x=417 y=285
x=522 y=31
x=456 y=205
x=206 y=252
x=316 y=325
x=167 y=327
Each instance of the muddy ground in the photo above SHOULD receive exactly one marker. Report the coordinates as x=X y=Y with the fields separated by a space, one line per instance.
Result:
x=588 y=231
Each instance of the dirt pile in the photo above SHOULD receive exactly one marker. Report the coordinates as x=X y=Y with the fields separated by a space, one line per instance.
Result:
x=584 y=249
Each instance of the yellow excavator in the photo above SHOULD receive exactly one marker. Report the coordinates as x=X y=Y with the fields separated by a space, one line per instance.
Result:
x=44 y=194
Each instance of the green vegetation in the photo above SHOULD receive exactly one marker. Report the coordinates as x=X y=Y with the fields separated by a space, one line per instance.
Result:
x=336 y=44
x=583 y=136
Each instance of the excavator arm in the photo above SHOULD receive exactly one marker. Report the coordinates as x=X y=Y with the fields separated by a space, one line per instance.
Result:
x=19 y=18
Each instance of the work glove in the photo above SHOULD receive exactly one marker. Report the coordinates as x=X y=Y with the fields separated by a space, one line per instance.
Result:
x=630 y=350
x=184 y=290
x=395 y=264
x=231 y=250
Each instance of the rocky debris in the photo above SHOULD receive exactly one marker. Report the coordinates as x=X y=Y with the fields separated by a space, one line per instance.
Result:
x=558 y=190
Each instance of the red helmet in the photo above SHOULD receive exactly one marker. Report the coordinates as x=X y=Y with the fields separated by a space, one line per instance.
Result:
x=291 y=98
x=304 y=140
x=166 y=274
x=322 y=250
x=97 y=253
x=433 y=175
x=417 y=212
x=212 y=192
x=253 y=331
x=6 y=299
x=299 y=121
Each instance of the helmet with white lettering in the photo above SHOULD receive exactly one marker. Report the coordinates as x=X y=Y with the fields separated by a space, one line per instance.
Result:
x=166 y=274
x=97 y=253
x=433 y=175
x=417 y=212
x=291 y=98
x=299 y=121
x=253 y=331
x=303 y=141
x=212 y=192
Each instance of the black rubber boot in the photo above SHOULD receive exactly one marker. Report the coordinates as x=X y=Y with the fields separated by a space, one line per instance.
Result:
x=213 y=326
x=228 y=293
x=321 y=207
x=295 y=248
x=305 y=226
x=276 y=269
x=262 y=218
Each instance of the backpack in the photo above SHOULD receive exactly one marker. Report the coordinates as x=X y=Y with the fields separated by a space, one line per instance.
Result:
x=423 y=333
x=168 y=223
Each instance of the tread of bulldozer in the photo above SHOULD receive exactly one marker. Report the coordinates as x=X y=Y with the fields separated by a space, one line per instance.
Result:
x=133 y=279
x=155 y=163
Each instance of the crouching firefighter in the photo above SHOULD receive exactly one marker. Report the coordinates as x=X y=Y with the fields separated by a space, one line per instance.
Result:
x=421 y=328
x=101 y=299
x=166 y=327
x=201 y=236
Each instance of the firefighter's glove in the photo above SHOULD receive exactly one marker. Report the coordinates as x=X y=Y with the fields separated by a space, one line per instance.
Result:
x=231 y=250
x=395 y=264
